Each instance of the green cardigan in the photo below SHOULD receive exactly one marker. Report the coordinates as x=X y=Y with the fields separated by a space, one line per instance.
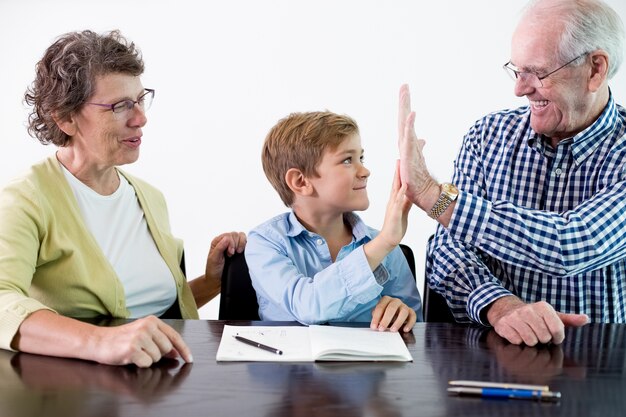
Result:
x=50 y=260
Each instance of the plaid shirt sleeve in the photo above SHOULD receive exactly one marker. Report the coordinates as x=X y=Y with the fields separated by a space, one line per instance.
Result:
x=588 y=237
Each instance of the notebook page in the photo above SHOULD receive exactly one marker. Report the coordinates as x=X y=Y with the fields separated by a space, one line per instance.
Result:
x=292 y=340
x=357 y=344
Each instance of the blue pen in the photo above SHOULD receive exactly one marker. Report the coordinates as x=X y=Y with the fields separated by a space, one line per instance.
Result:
x=507 y=393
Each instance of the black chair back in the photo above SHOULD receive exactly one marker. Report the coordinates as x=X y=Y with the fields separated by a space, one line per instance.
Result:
x=410 y=258
x=238 y=298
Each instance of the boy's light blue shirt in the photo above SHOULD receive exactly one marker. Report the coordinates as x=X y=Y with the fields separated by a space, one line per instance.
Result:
x=296 y=279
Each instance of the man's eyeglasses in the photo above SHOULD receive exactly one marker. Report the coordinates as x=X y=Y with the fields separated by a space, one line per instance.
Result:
x=144 y=101
x=531 y=78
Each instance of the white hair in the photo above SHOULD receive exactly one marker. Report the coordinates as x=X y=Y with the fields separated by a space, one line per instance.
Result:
x=588 y=25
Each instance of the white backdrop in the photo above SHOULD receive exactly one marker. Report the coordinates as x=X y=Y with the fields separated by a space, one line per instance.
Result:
x=225 y=72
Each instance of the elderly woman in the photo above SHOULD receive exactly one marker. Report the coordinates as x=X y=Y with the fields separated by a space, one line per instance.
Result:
x=80 y=238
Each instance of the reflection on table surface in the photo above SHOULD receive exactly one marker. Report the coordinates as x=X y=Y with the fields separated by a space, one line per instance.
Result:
x=588 y=369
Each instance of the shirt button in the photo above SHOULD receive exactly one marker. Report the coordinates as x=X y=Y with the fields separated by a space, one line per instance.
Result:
x=319 y=241
x=558 y=171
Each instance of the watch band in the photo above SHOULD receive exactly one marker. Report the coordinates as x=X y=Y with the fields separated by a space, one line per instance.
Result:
x=448 y=194
x=440 y=206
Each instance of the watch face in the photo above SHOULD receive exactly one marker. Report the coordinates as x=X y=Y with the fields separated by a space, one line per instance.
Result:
x=450 y=189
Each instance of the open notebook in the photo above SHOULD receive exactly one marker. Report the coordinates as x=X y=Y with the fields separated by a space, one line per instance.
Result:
x=312 y=343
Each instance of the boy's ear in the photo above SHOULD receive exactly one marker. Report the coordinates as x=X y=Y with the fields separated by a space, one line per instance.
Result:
x=298 y=183
x=67 y=124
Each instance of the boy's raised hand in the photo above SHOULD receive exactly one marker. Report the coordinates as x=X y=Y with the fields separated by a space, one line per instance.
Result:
x=392 y=314
x=397 y=213
x=394 y=226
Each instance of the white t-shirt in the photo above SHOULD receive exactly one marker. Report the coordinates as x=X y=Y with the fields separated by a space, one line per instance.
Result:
x=118 y=224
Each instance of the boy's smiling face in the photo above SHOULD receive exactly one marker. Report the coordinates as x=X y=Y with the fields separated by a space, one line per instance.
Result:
x=342 y=182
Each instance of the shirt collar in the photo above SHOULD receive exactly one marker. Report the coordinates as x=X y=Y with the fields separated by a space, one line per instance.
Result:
x=586 y=142
x=359 y=229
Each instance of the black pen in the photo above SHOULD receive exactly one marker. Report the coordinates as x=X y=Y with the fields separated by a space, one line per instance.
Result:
x=259 y=345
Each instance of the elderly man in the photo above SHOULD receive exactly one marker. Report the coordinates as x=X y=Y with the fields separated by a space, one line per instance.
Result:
x=532 y=233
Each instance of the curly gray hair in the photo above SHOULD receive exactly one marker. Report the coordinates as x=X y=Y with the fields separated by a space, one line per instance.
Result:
x=65 y=78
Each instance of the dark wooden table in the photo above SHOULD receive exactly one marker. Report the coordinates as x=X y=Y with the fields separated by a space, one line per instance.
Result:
x=588 y=369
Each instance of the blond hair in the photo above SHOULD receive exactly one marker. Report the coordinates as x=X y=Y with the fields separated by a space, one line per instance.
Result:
x=298 y=141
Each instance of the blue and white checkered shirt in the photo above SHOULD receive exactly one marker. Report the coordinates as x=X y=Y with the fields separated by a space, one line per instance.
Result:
x=537 y=222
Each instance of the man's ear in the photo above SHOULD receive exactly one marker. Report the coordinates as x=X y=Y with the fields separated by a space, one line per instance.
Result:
x=599 y=69
x=298 y=183
x=67 y=124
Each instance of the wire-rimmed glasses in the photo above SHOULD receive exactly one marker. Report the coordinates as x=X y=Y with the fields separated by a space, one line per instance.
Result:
x=144 y=101
x=531 y=78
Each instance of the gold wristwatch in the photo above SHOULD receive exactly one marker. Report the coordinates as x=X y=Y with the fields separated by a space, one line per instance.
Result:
x=449 y=193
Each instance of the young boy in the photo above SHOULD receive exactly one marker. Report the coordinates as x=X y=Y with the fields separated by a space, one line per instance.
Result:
x=320 y=263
